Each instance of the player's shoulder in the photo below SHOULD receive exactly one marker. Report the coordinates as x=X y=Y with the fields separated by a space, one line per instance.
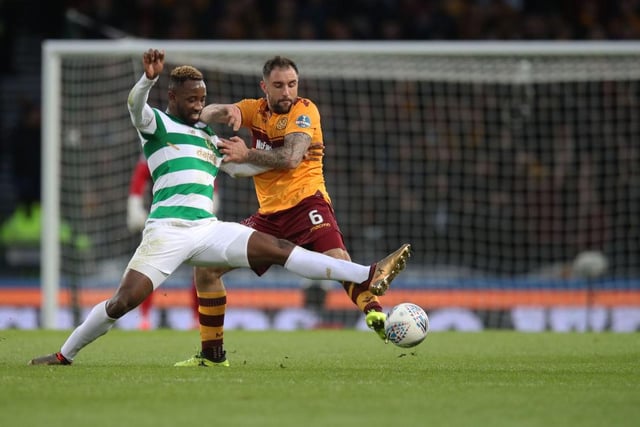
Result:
x=304 y=114
x=159 y=113
x=304 y=105
x=255 y=102
x=252 y=106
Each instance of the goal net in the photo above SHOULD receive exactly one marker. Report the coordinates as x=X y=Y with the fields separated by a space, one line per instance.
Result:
x=510 y=167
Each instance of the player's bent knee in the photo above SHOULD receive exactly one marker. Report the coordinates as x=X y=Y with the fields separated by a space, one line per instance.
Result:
x=135 y=287
x=264 y=249
x=208 y=279
x=209 y=274
x=117 y=306
x=285 y=245
x=267 y=244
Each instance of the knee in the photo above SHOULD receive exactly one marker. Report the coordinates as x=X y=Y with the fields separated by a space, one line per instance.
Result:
x=285 y=245
x=118 y=306
x=209 y=274
x=209 y=278
x=265 y=250
x=135 y=287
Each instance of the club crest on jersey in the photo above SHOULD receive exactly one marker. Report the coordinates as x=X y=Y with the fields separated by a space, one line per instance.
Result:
x=282 y=123
x=303 y=121
x=211 y=145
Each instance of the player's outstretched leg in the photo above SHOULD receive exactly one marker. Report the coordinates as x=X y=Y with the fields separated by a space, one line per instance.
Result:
x=385 y=270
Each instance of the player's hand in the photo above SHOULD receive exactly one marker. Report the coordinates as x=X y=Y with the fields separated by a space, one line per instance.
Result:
x=233 y=117
x=222 y=113
x=234 y=149
x=314 y=152
x=153 y=63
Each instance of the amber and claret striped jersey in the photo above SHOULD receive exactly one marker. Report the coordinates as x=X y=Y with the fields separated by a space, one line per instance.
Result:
x=282 y=189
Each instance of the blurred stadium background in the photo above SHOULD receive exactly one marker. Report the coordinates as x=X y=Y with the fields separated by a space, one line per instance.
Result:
x=509 y=163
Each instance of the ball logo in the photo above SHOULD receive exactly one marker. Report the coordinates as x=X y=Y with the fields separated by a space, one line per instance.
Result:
x=398 y=331
x=420 y=320
x=303 y=121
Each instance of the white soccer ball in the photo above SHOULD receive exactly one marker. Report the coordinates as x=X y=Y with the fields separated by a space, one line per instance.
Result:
x=407 y=325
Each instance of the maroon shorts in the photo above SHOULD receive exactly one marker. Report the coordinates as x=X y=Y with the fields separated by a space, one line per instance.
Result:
x=311 y=224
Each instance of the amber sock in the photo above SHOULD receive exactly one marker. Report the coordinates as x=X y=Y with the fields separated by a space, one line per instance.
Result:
x=211 y=309
x=361 y=297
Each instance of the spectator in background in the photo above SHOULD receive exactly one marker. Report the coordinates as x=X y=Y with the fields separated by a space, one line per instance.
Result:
x=368 y=19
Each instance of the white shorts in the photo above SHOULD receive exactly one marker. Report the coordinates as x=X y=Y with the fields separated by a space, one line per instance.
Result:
x=166 y=244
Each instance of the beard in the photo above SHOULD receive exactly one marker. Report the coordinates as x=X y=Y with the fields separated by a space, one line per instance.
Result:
x=282 y=106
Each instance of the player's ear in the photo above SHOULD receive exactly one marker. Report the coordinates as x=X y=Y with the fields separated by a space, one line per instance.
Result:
x=263 y=86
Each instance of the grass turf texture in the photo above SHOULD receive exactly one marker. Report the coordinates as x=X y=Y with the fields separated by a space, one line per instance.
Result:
x=325 y=378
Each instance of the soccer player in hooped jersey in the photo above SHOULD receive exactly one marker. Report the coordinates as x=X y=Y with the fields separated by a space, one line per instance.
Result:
x=294 y=202
x=184 y=159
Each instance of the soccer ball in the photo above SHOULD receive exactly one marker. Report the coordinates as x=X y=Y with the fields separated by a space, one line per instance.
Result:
x=407 y=325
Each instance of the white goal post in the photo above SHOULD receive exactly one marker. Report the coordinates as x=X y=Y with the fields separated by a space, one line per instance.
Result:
x=498 y=160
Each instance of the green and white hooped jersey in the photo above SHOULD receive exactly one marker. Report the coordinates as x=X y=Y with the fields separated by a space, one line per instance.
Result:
x=183 y=159
x=184 y=162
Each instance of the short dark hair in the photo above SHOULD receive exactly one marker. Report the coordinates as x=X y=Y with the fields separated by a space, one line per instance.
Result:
x=181 y=74
x=277 y=62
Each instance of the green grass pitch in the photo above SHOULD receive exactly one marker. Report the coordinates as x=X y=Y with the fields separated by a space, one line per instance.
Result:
x=325 y=378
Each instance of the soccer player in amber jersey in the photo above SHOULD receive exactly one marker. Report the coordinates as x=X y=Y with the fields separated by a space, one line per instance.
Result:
x=293 y=199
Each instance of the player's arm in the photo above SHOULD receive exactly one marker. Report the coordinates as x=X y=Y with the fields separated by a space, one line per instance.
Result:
x=288 y=156
x=228 y=114
x=296 y=146
x=235 y=169
x=141 y=113
x=242 y=170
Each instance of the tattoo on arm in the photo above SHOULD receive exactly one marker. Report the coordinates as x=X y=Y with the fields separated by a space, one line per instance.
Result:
x=285 y=157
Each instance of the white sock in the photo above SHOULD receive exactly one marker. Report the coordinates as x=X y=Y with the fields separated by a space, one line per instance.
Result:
x=317 y=266
x=95 y=325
